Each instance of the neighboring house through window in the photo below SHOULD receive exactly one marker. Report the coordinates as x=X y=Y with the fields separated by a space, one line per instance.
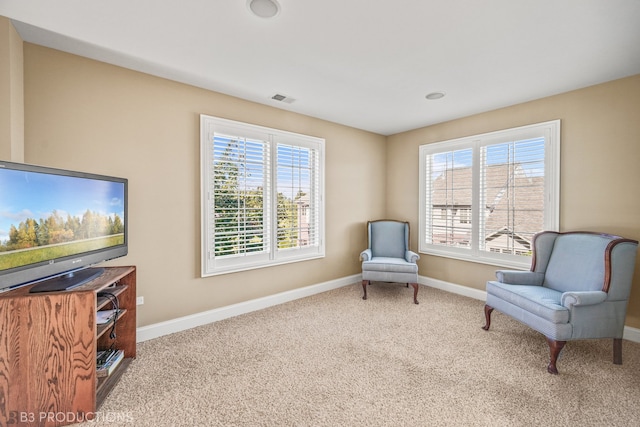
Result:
x=262 y=196
x=483 y=197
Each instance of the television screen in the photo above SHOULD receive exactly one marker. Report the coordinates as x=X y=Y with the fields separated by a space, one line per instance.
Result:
x=56 y=221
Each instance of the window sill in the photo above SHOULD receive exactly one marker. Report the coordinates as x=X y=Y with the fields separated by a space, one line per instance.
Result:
x=525 y=264
x=253 y=266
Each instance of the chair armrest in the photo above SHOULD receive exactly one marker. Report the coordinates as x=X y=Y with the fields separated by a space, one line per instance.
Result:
x=520 y=277
x=365 y=255
x=411 y=256
x=569 y=299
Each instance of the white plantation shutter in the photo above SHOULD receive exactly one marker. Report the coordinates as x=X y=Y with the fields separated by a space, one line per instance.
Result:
x=450 y=186
x=261 y=196
x=482 y=198
x=241 y=222
x=512 y=194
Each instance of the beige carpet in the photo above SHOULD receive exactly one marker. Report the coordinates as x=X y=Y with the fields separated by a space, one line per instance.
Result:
x=335 y=360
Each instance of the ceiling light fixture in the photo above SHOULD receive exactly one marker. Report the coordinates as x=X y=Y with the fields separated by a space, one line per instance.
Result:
x=264 y=8
x=435 y=95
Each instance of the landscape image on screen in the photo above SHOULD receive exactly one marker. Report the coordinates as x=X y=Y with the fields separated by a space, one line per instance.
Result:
x=44 y=217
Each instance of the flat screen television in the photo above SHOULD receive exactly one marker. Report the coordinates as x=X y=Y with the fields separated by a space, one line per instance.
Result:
x=56 y=225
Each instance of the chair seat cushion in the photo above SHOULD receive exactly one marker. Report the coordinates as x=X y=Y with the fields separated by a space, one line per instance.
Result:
x=539 y=300
x=393 y=265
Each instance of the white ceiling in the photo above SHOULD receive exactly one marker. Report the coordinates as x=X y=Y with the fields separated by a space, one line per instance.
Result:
x=362 y=63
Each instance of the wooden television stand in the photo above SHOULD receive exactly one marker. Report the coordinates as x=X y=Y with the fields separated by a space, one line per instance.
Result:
x=48 y=347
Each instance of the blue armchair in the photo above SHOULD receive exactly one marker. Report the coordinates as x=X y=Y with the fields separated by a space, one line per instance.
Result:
x=388 y=258
x=577 y=288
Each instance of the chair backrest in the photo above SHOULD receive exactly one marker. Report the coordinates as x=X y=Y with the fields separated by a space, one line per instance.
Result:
x=585 y=261
x=388 y=238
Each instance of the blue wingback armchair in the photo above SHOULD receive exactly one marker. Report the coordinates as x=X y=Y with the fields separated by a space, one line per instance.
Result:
x=388 y=258
x=577 y=288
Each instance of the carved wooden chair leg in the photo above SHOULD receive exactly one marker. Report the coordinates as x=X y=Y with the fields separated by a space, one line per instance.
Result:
x=487 y=317
x=364 y=287
x=617 y=351
x=415 y=292
x=555 y=347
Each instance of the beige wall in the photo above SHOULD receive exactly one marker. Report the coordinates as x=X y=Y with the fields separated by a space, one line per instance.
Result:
x=11 y=93
x=86 y=115
x=600 y=154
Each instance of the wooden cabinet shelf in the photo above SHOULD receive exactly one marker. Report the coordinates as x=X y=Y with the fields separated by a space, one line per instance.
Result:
x=102 y=301
x=48 y=347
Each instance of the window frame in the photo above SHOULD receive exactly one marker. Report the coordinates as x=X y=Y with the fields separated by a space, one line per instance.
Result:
x=550 y=131
x=211 y=264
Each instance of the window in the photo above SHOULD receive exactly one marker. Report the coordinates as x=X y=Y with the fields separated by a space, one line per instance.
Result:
x=262 y=196
x=483 y=197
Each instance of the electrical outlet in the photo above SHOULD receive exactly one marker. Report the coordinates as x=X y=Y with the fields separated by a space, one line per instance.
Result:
x=139 y=300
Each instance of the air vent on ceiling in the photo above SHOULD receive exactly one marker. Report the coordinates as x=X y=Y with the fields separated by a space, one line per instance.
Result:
x=283 y=98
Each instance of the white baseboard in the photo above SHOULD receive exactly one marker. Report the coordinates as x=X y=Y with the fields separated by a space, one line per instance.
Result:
x=156 y=330
x=631 y=334
x=453 y=288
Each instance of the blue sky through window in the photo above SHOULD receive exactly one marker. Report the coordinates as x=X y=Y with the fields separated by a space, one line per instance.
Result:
x=528 y=153
x=294 y=171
